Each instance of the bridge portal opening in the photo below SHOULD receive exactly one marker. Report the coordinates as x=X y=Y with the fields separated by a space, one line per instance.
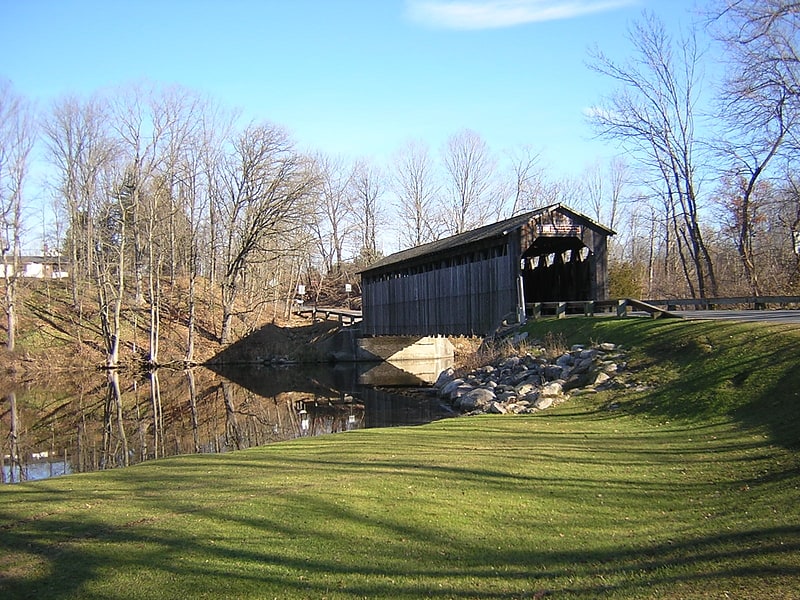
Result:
x=557 y=269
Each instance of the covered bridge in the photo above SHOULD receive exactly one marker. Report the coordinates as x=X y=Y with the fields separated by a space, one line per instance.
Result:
x=469 y=283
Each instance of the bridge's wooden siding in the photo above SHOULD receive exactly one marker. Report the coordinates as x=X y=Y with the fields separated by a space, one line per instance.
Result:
x=463 y=298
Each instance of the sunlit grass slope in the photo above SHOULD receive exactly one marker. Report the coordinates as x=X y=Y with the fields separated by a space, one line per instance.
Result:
x=687 y=488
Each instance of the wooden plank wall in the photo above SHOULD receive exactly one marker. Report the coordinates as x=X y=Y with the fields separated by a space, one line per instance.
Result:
x=460 y=299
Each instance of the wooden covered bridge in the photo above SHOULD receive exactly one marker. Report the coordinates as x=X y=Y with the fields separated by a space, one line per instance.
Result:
x=470 y=283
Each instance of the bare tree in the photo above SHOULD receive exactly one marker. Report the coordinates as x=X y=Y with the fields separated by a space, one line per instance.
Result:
x=265 y=190
x=743 y=203
x=761 y=38
x=196 y=185
x=334 y=220
x=760 y=105
x=468 y=161
x=97 y=187
x=789 y=218
x=652 y=115
x=174 y=119
x=617 y=182
x=207 y=227
x=16 y=142
x=604 y=187
x=416 y=188
x=110 y=263
x=527 y=188
x=367 y=188
x=141 y=124
x=78 y=146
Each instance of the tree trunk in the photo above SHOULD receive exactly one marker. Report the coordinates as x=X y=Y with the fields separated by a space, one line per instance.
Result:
x=74 y=276
x=138 y=275
x=173 y=261
x=11 y=272
x=191 y=318
x=154 y=291
x=229 y=292
x=110 y=311
x=11 y=316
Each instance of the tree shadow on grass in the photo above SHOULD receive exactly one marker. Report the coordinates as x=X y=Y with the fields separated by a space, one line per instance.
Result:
x=375 y=555
x=747 y=372
x=387 y=523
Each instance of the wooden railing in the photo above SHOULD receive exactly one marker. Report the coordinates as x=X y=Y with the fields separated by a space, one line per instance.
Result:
x=657 y=308
x=591 y=307
x=746 y=302
x=536 y=310
x=345 y=316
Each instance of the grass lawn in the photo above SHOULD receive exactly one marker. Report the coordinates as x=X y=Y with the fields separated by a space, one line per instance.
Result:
x=688 y=488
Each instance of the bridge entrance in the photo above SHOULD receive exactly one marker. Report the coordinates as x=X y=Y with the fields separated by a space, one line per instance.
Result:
x=557 y=268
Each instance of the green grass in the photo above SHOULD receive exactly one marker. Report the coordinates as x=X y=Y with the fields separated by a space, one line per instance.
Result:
x=689 y=489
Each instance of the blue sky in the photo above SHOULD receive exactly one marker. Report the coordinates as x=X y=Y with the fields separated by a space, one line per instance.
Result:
x=352 y=77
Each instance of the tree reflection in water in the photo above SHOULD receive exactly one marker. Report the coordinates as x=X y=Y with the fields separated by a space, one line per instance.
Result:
x=128 y=419
x=115 y=452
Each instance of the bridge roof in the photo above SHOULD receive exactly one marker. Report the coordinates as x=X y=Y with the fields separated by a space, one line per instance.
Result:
x=468 y=238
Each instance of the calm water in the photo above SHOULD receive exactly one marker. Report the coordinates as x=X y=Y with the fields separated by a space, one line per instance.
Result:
x=114 y=420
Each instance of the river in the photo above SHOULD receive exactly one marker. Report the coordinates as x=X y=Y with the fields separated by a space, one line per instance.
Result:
x=111 y=420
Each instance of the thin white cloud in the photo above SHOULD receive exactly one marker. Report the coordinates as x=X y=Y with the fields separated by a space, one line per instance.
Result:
x=493 y=14
x=597 y=112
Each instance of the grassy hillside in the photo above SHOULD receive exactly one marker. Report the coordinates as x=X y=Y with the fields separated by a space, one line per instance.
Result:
x=56 y=336
x=703 y=370
x=683 y=484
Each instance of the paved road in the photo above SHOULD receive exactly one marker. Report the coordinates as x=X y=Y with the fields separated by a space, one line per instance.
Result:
x=765 y=316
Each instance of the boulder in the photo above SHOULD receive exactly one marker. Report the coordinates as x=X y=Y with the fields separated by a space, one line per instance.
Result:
x=529 y=398
x=602 y=378
x=450 y=387
x=506 y=396
x=444 y=378
x=496 y=408
x=552 y=372
x=577 y=380
x=582 y=365
x=554 y=388
x=525 y=375
x=475 y=399
x=460 y=391
x=565 y=360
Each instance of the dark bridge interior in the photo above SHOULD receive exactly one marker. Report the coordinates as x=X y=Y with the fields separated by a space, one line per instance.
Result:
x=555 y=269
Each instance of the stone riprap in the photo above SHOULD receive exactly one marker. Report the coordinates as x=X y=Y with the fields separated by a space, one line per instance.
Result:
x=529 y=381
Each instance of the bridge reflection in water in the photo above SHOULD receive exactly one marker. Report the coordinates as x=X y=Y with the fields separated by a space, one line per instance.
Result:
x=115 y=420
